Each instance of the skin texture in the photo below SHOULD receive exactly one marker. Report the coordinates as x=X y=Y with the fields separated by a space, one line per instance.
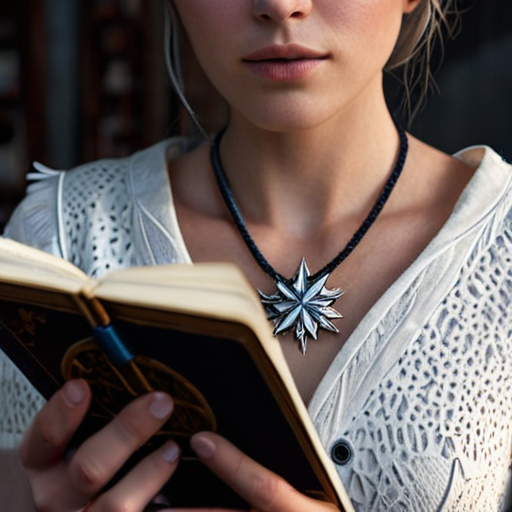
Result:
x=306 y=159
x=304 y=134
x=345 y=31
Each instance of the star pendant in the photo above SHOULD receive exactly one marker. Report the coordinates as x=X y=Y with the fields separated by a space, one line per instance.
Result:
x=304 y=304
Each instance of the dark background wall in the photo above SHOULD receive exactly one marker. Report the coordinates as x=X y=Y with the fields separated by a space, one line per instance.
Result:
x=474 y=102
x=84 y=79
x=79 y=80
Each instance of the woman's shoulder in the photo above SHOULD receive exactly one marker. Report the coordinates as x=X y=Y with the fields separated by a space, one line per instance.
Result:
x=34 y=220
x=476 y=179
x=97 y=175
x=65 y=209
x=484 y=158
x=38 y=219
x=490 y=187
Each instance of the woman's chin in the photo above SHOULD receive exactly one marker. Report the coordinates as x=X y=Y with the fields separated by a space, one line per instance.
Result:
x=280 y=119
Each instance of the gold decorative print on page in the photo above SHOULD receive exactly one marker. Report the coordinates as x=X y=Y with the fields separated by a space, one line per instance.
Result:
x=114 y=387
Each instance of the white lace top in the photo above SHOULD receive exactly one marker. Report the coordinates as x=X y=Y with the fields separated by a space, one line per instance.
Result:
x=416 y=409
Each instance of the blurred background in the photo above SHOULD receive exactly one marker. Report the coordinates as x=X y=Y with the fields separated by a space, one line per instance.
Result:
x=85 y=79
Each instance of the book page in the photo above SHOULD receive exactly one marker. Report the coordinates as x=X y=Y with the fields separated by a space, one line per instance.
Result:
x=217 y=291
x=24 y=265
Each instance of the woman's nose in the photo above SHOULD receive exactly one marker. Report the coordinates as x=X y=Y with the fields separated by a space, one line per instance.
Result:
x=280 y=11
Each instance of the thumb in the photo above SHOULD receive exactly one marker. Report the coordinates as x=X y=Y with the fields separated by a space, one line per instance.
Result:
x=261 y=488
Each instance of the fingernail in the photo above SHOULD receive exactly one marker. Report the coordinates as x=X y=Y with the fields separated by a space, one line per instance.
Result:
x=171 y=453
x=75 y=392
x=203 y=446
x=161 y=406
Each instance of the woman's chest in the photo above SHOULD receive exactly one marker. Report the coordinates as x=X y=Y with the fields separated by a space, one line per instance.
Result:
x=363 y=277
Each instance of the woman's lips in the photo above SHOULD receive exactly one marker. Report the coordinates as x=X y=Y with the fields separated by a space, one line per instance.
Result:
x=282 y=63
x=282 y=70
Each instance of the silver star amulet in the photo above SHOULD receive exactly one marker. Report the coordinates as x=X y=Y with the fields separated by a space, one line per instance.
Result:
x=303 y=304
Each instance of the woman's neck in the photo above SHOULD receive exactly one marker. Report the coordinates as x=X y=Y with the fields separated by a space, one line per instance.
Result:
x=303 y=180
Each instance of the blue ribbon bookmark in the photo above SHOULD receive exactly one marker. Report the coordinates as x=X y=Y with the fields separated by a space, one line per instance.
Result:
x=112 y=345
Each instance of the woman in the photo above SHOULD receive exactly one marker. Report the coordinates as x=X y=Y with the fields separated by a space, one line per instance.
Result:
x=410 y=391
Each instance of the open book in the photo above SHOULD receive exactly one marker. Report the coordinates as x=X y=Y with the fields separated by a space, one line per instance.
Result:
x=196 y=331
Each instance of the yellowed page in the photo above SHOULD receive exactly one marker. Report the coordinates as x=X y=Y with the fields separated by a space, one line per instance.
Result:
x=24 y=265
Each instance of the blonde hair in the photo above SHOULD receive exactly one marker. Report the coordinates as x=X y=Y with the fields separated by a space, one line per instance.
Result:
x=173 y=61
x=421 y=31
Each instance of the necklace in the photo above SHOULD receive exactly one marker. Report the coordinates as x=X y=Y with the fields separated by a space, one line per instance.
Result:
x=303 y=302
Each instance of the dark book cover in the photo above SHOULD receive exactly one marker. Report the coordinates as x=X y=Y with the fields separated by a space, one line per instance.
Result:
x=214 y=380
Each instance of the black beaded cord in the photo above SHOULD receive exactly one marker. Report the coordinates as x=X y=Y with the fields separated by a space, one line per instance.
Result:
x=232 y=206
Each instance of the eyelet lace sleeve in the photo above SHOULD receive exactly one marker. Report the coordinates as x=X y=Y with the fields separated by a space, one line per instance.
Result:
x=35 y=223
x=36 y=220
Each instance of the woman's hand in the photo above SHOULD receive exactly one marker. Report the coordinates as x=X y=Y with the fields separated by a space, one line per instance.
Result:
x=262 y=489
x=63 y=483
x=66 y=483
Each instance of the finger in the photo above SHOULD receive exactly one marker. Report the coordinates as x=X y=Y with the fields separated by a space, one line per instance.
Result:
x=141 y=484
x=263 y=490
x=99 y=458
x=45 y=442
